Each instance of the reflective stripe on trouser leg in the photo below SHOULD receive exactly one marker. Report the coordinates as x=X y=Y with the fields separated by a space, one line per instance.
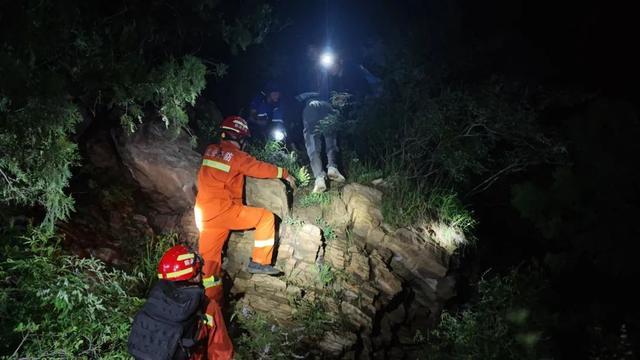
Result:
x=211 y=281
x=210 y=246
x=264 y=238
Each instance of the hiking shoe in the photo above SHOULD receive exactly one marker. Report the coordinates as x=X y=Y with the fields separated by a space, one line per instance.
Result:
x=255 y=268
x=320 y=186
x=334 y=174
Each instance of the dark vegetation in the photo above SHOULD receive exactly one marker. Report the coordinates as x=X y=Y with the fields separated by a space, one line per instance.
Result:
x=516 y=122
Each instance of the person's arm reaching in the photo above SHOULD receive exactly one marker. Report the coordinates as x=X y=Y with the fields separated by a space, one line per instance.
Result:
x=250 y=166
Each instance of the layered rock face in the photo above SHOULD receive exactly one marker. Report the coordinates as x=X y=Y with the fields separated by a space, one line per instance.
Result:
x=379 y=288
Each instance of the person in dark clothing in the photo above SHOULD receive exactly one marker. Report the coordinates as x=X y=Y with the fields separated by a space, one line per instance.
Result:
x=322 y=78
x=265 y=111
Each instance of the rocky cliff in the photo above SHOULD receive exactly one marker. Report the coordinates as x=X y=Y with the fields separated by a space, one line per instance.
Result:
x=353 y=286
x=379 y=287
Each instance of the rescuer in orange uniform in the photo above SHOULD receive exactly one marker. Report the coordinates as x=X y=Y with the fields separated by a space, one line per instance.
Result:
x=219 y=209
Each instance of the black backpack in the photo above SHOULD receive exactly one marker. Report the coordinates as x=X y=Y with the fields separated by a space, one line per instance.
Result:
x=167 y=326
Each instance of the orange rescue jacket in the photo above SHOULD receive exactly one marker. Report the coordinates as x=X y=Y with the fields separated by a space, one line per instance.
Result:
x=221 y=177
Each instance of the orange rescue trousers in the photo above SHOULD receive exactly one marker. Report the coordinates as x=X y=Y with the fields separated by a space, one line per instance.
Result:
x=213 y=235
x=218 y=343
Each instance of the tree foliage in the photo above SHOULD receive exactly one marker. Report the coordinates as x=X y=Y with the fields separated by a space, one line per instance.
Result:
x=468 y=135
x=68 y=62
x=37 y=155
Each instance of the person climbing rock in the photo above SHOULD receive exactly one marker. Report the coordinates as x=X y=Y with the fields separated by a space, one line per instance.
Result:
x=178 y=321
x=314 y=111
x=219 y=207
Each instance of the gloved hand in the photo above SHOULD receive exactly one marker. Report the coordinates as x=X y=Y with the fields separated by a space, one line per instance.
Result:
x=292 y=181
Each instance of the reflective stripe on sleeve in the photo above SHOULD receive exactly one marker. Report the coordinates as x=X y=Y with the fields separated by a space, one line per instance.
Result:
x=211 y=281
x=263 y=243
x=279 y=172
x=216 y=165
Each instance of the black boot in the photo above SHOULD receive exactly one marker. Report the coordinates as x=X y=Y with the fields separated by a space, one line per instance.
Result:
x=256 y=268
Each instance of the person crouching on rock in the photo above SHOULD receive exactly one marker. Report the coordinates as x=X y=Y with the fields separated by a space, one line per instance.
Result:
x=219 y=207
x=178 y=321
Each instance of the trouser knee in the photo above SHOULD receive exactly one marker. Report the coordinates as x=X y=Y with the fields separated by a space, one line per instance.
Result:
x=267 y=220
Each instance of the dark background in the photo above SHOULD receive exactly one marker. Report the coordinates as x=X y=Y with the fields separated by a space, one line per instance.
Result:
x=587 y=47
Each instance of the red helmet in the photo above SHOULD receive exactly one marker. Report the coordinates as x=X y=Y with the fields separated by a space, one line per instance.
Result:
x=179 y=264
x=235 y=127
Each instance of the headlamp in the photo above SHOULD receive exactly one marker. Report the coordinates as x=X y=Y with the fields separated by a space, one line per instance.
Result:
x=278 y=134
x=327 y=59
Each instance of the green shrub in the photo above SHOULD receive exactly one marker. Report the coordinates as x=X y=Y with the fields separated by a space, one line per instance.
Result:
x=312 y=316
x=63 y=306
x=262 y=339
x=315 y=199
x=360 y=171
x=447 y=207
x=276 y=152
x=328 y=233
x=147 y=266
x=505 y=322
x=293 y=221
x=409 y=203
x=57 y=305
x=326 y=275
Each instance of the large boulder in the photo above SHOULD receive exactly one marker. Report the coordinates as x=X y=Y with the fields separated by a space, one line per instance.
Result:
x=363 y=207
x=164 y=165
x=417 y=257
x=270 y=194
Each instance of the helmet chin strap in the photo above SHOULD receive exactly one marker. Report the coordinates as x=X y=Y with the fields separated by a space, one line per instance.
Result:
x=241 y=142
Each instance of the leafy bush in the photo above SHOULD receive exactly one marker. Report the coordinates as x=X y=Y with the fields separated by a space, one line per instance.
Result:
x=61 y=306
x=504 y=322
x=147 y=265
x=426 y=137
x=467 y=136
x=326 y=274
x=315 y=199
x=328 y=233
x=56 y=305
x=293 y=221
x=275 y=152
x=312 y=316
x=447 y=207
x=360 y=171
x=262 y=339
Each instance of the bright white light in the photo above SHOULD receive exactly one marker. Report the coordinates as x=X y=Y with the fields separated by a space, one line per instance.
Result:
x=198 y=214
x=278 y=135
x=327 y=59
